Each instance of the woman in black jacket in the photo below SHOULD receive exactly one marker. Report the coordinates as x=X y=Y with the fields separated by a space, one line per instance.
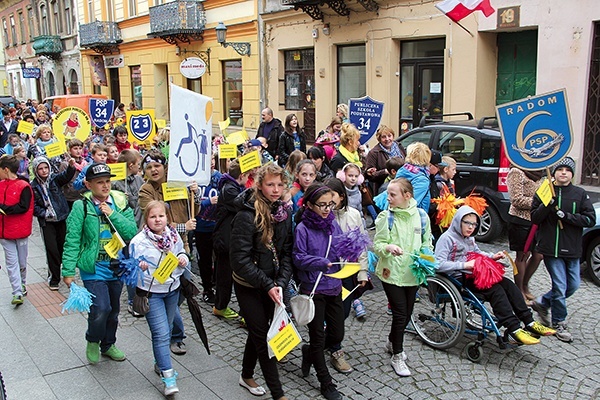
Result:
x=291 y=139
x=262 y=266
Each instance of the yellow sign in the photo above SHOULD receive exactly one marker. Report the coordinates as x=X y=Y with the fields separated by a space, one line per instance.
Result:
x=348 y=270
x=161 y=123
x=140 y=125
x=71 y=123
x=285 y=341
x=114 y=245
x=166 y=268
x=249 y=161
x=119 y=170
x=224 y=124
x=25 y=127
x=174 y=193
x=227 y=151
x=544 y=192
x=55 y=149
x=345 y=293
x=237 y=138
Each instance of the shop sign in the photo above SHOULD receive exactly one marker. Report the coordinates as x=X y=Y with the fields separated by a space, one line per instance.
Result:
x=192 y=67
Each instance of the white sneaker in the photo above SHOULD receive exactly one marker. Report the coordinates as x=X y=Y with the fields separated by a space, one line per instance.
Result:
x=399 y=365
x=390 y=349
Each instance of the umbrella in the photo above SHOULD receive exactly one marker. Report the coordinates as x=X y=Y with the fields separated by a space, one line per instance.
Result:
x=190 y=290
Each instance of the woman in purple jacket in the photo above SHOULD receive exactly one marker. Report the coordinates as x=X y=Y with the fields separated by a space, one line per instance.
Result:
x=315 y=256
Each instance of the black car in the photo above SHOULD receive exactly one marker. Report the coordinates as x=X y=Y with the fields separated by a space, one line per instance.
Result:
x=8 y=101
x=591 y=247
x=481 y=163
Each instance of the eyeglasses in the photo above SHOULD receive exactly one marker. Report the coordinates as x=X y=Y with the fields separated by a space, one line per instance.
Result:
x=325 y=206
x=471 y=224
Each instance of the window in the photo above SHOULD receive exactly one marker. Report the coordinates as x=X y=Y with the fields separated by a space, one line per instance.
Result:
x=5 y=33
x=45 y=27
x=109 y=10
x=232 y=92
x=136 y=85
x=458 y=145
x=30 y=23
x=132 y=8
x=22 y=26
x=419 y=136
x=13 y=30
x=56 y=17
x=73 y=85
x=352 y=70
x=68 y=18
x=299 y=72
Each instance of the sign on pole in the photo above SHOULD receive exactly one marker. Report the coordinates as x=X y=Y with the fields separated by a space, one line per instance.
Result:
x=536 y=131
x=101 y=111
x=140 y=125
x=365 y=114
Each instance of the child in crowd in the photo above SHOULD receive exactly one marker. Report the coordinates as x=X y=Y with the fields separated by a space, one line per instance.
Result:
x=21 y=155
x=292 y=138
x=505 y=297
x=352 y=178
x=15 y=224
x=44 y=137
x=314 y=256
x=257 y=144
x=113 y=154
x=75 y=147
x=99 y=134
x=444 y=178
x=156 y=240
x=317 y=155
x=290 y=168
x=99 y=155
x=306 y=172
x=120 y=134
x=90 y=226
x=51 y=210
x=13 y=141
x=392 y=165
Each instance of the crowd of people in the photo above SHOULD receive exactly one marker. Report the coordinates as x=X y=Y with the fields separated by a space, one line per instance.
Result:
x=286 y=219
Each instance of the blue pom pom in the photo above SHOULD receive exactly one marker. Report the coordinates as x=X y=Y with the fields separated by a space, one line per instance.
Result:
x=130 y=268
x=80 y=300
x=373 y=260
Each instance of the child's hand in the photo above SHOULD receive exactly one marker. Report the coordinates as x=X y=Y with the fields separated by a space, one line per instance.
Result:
x=143 y=265
x=68 y=280
x=71 y=162
x=469 y=265
x=105 y=208
x=183 y=261
x=329 y=265
x=498 y=256
x=193 y=187
x=394 y=250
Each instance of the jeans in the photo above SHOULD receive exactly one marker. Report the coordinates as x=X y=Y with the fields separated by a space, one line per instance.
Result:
x=402 y=301
x=564 y=273
x=15 y=255
x=54 y=234
x=103 y=317
x=163 y=307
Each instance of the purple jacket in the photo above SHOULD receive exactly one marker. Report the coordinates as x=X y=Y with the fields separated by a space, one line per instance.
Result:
x=310 y=247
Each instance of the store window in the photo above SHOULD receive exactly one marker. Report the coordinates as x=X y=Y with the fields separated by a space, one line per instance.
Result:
x=232 y=92
x=352 y=70
x=299 y=74
x=136 y=85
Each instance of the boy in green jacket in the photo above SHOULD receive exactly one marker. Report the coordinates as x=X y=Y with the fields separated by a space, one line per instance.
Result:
x=90 y=226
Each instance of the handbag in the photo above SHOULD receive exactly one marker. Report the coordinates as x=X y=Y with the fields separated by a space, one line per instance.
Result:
x=140 y=300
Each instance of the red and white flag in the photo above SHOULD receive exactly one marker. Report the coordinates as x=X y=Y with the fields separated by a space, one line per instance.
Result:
x=459 y=9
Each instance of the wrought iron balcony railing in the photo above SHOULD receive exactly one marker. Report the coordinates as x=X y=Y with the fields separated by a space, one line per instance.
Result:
x=48 y=45
x=311 y=7
x=101 y=36
x=178 y=21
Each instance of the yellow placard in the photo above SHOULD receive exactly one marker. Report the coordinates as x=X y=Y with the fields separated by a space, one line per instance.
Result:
x=174 y=193
x=285 y=341
x=166 y=268
x=25 y=127
x=119 y=170
x=55 y=149
x=115 y=244
x=161 y=123
x=227 y=151
x=140 y=125
x=349 y=269
x=544 y=192
x=249 y=161
x=237 y=138
x=70 y=123
x=224 y=124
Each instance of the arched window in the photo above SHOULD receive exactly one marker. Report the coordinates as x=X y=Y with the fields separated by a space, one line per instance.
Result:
x=51 y=84
x=73 y=85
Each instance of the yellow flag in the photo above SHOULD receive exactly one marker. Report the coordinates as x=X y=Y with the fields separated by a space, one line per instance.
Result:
x=544 y=192
x=345 y=293
x=224 y=124
x=114 y=245
x=249 y=161
x=25 y=127
x=349 y=269
x=160 y=123
x=119 y=170
x=237 y=138
x=166 y=268
x=174 y=193
x=55 y=149
x=227 y=151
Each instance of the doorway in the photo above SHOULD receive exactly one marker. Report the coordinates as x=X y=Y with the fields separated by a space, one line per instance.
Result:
x=517 y=64
x=115 y=86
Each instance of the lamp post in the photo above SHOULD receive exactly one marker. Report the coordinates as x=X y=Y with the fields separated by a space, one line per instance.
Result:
x=242 y=48
x=22 y=63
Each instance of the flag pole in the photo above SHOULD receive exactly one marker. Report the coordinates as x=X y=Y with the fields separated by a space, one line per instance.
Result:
x=465 y=29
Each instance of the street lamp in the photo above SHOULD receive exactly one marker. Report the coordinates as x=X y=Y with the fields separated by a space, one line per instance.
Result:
x=22 y=63
x=242 y=48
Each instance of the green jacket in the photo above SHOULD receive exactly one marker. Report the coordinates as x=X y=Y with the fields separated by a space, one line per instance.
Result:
x=406 y=233
x=82 y=242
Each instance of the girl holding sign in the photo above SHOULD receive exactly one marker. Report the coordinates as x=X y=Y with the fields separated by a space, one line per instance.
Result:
x=165 y=261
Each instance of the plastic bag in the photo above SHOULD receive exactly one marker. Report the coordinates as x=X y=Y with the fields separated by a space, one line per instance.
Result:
x=281 y=324
x=486 y=272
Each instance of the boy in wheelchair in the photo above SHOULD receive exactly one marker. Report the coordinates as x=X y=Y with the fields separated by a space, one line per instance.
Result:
x=505 y=297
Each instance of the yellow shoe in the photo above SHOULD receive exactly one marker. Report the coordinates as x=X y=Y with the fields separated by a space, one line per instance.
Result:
x=523 y=337
x=540 y=329
x=226 y=313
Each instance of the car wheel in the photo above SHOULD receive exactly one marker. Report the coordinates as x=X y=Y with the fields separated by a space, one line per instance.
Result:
x=593 y=260
x=491 y=225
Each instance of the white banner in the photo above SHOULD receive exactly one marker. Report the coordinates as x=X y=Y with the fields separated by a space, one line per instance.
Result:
x=190 y=140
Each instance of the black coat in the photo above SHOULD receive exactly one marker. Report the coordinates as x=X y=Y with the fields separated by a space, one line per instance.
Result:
x=226 y=210
x=5 y=132
x=55 y=193
x=337 y=162
x=286 y=146
x=273 y=139
x=252 y=262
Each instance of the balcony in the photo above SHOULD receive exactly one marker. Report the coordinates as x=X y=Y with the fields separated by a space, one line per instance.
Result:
x=48 y=45
x=178 y=21
x=101 y=36
x=311 y=7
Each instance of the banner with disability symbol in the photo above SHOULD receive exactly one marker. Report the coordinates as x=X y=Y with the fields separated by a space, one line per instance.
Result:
x=191 y=133
x=140 y=125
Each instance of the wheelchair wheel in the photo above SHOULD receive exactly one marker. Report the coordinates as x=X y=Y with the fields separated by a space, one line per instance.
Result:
x=438 y=318
x=474 y=351
x=2 y=389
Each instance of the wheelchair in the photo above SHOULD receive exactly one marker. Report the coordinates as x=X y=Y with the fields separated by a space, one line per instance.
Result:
x=446 y=310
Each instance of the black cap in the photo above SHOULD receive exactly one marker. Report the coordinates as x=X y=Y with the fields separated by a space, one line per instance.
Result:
x=97 y=170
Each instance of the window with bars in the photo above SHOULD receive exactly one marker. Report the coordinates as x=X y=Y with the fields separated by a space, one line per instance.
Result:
x=13 y=30
x=5 y=33
x=299 y=73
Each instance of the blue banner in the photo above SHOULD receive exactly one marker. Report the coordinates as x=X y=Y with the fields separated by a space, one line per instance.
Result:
x=365 y=114
x=536 y=131
x=31 y=72
x=101 y=111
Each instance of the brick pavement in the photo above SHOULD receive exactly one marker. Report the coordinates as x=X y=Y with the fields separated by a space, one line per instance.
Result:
x=45 y=358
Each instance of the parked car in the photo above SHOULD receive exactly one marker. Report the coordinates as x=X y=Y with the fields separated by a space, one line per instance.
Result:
x=591 y=247
x=482 y=166
x=8 y=101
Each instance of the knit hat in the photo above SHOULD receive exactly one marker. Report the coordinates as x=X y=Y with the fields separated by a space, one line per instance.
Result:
x=565 y=162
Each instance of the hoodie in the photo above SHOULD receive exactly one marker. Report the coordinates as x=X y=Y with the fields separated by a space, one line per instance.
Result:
x=49 y=202
x=419 y=178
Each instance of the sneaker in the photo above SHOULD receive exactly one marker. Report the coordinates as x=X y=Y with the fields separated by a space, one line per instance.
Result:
x=338 y=361
x=24 y=289
x=359 y=308
x=523 y=337
x=132 y=312
x=17 y=300
x=306 y=361
x=540 y=329
x=562 y=332
x=390 y=349
x=389 y=309
x=92 y=352
x=169 y=378
x=208 y=296
x=226 y=313
x=542 y=312
x=178 y=348
x=114 y=353
x=53 y=286
x=330 y=392
x=399 y=365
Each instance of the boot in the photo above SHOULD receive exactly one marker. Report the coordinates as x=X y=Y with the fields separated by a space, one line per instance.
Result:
x=169 y=378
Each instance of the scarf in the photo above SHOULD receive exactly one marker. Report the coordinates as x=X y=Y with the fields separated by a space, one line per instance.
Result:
x=351 y=157
x=80 y=165
x=280 y=211
x=314 y=221
x=50 y=212
x=394 y=151
x=163 y=241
